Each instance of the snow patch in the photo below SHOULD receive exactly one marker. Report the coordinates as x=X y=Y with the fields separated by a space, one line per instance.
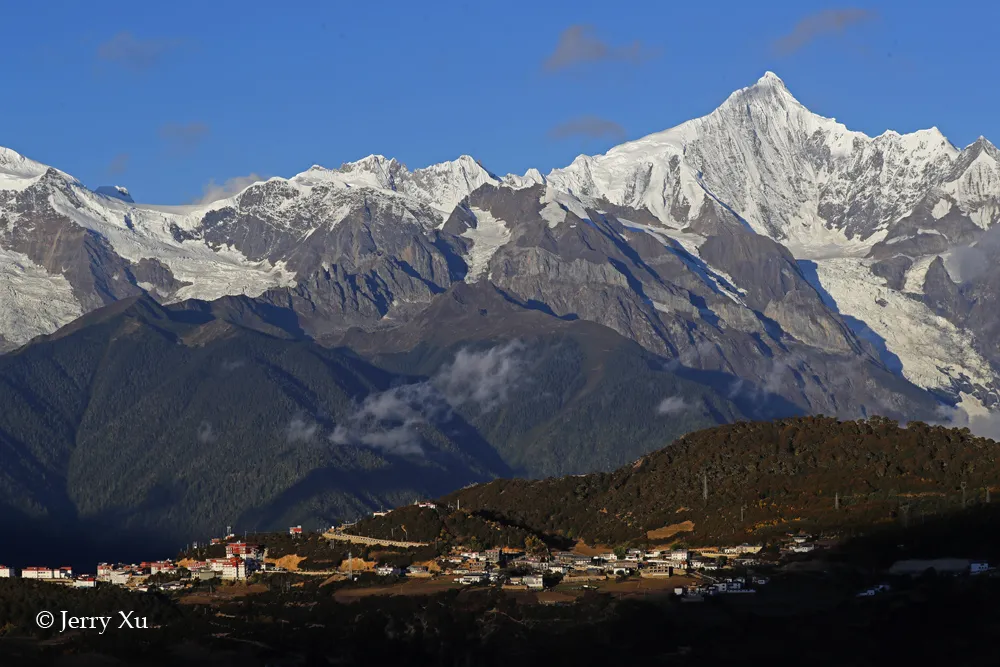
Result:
x=488 y=236
x=941 y=208
x=930 y=349
x=33 y=302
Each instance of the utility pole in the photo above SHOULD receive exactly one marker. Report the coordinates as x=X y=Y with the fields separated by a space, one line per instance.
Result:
x=836 y=501
x=963 y=495
x=704 y=487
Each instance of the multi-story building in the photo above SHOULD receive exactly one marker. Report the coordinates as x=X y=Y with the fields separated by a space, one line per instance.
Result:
x=37 y=573
x=234 y=568
x=244 y=551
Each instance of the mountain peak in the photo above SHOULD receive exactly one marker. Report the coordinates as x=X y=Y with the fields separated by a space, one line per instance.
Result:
x=12 y=162
x=115 y=192
x=771 y=79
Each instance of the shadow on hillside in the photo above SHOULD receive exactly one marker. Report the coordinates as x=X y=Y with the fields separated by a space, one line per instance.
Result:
x=430 y=480
x=81 y=545
x=859 y=327
x=752 y=400
x=969 y=534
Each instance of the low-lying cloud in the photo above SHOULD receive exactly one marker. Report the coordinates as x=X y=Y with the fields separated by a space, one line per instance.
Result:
x=300 y=429
x=983 y=424
x=579 y=44
x=205 y=433
x=815 y=26
x=969 y=262
x=590 y=127
x=392 y=420
x=673 y=405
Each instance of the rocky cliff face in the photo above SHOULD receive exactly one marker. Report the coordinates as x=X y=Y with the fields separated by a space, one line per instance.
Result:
x=799 y=265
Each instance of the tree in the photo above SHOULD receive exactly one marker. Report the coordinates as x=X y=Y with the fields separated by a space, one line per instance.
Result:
x=620 y=551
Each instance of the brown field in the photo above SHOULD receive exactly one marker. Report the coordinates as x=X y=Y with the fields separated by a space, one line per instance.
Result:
x=289 y=562
x=223 y=593
x=585 y=550
x=411 y=587
x=644 y=585
x=554 y=596
x=667 y=532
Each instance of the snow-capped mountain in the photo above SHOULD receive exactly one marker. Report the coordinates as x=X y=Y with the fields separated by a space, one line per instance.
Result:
x=766 y=244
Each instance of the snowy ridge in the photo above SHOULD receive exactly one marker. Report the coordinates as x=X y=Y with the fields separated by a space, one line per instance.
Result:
x=829 y=194
x=788 y=172
x=931 y=351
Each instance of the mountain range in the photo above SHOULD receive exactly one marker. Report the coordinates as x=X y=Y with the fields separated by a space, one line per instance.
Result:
x=759 y=262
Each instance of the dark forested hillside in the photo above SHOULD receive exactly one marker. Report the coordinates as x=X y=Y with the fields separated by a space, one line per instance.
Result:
x=170 y=424
x=577 y=397
x=746 y=480
x=151 y=425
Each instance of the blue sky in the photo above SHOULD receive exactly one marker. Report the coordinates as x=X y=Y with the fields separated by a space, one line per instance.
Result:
x=167 y=101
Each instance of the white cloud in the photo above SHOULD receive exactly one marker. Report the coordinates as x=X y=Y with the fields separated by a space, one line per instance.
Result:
x=391 y=420
x=205 y=433
x=673 y=405
x=215 y=191
x=300 y=429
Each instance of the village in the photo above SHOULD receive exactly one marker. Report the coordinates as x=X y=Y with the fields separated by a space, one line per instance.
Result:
x=691 y=573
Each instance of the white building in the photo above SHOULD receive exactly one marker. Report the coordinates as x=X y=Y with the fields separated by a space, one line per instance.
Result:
x=120 y=577
x=234 y=568
x=6 y=572
x=37 y=573
x=85 y=582
x=533 y=581
x=388 y=571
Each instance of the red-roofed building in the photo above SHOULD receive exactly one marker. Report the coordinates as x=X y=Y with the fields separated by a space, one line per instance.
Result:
x=234 y=568
x=243 y=550
x=295 y=530
x=37 y=573
x=162 y=566
x=6 y=572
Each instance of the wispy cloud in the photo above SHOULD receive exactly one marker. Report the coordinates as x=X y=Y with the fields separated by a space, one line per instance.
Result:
x=673 y=405
x=183 y=138
x=579 y=44
x=692 y=356
x=984 y=424
x=968 y=262
x=588 y=126
x=814 y=26
x=205 y=434
x=119 y=164
x=300 y=429
x=215 y=191
x=392 y=420
x=136 y=54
